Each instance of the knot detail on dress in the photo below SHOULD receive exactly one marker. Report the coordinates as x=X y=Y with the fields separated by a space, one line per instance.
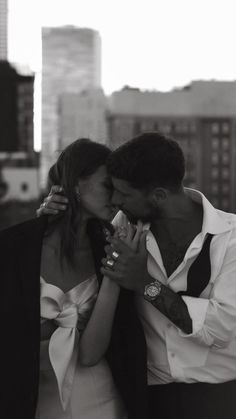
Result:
x=70 y=312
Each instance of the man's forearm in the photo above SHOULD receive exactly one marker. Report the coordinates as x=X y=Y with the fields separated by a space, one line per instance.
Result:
x=173 y=306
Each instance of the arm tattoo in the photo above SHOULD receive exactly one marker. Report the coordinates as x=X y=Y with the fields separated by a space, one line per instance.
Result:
x=173 y=306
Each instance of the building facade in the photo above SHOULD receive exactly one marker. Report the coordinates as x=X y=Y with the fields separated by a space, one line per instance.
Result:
x=16 y=110
x=201 y=117
x=71 y=63
x=3 y=29
x=18 y=161
x=82 y=115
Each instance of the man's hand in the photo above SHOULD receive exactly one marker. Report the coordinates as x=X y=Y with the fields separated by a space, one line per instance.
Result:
x=125 y=265
x=53 y=203
x=128 y=268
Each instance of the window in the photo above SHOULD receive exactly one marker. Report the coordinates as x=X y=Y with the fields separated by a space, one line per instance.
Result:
x=225 y=173
x=215 y=128
x=214 y=188
x=225 y=143
x=225 y=188
x=215 y=158
x=215 y=142
x=225 y=158
x=225 y=128
x=214 y=172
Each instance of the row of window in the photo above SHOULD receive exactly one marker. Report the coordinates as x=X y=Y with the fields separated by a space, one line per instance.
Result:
x=224 y=173
x=223 y=143
x=220 y=127
x=223 y=188
x=217 y=158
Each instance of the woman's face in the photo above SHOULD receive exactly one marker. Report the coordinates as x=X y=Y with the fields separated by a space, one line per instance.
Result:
x=95 y=195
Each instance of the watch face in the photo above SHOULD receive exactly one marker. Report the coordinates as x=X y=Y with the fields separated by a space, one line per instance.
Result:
x=152 y=291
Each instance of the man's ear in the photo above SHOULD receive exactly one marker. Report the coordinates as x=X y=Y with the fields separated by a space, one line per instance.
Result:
x=159 y=197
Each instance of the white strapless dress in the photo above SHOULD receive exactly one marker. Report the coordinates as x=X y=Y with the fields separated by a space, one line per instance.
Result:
x=67 y=390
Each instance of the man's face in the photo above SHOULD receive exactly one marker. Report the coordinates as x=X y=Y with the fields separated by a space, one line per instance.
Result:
x=135 y=203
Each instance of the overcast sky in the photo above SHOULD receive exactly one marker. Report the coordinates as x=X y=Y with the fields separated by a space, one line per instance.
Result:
x=151 y=44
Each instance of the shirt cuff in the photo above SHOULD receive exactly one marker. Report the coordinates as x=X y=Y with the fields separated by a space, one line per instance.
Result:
x=197 y=308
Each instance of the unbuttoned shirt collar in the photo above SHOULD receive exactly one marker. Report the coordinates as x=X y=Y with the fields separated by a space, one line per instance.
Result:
x=213 y=222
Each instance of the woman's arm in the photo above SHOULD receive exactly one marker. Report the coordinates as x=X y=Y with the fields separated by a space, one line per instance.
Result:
x=96 y=336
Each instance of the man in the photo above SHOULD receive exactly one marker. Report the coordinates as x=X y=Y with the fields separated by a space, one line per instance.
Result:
x=182 y=278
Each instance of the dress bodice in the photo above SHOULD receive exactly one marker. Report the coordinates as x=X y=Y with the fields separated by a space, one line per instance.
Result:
x=70 y=311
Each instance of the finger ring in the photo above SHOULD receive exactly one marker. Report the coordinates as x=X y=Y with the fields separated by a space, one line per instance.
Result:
x=110 y=263
x=44 y=205
x=115 y=255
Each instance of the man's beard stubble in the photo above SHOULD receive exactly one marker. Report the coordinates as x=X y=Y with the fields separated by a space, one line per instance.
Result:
x=152 y=215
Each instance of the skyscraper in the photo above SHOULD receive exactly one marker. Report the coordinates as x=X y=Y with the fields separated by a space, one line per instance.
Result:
x=3 y=29
x=71 y=62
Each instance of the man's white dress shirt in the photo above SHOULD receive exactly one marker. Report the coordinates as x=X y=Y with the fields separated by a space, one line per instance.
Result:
x=208 y=354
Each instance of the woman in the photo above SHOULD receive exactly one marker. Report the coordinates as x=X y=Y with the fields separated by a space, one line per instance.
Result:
x=76 y=316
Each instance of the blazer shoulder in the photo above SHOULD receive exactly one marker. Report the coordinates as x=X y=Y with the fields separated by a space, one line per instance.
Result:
x=29 y=227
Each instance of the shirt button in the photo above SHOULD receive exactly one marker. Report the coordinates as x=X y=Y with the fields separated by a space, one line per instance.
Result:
x=172 y=355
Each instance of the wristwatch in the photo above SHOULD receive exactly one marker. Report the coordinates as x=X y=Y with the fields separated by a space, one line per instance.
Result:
x=152 y=290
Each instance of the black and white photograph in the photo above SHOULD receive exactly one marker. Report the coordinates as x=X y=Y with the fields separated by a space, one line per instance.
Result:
x=118 y=209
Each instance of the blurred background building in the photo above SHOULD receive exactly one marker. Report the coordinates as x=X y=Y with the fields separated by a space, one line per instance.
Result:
x=3 y=29
x=19 y=163
x=83 y=115
x=200 y=116
x=71 y=62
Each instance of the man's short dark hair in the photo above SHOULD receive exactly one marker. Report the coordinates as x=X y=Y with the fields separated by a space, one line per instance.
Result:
x=150 y=159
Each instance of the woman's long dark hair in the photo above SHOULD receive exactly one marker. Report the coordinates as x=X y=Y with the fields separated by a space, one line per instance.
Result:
x=77 y=161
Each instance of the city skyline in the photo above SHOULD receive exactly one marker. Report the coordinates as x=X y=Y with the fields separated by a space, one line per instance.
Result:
x=152 y=45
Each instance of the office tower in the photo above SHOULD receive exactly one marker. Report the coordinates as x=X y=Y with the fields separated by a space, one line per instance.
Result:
x=71 y=63
x=3 y=29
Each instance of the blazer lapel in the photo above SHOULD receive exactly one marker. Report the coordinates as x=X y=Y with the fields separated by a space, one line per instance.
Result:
x=29 y=260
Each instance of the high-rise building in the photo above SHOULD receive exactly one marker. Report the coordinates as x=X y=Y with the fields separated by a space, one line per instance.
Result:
x=3 y=29
x=82 y=115
x=71 y=62
x=201 y=117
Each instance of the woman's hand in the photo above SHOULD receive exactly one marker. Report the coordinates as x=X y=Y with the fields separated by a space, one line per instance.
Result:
x=53 y=203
